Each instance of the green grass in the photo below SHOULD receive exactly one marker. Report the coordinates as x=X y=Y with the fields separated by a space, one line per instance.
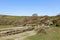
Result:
x=8 y=26
x=49 y=36
x=10 y=39
x=5 y=26
x=7 y=17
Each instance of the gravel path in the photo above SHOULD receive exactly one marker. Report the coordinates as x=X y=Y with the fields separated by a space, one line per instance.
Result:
x=20 y=36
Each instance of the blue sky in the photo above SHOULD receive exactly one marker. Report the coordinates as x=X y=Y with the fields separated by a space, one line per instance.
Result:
x=28 y=7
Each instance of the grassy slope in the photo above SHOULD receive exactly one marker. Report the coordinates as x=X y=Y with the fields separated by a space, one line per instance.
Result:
x=9 y=18
x=52 y=34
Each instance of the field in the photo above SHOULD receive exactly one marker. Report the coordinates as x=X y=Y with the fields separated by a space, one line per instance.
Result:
x=51 y=34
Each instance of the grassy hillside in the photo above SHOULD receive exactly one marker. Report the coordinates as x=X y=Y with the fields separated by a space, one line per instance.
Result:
x=23 y=20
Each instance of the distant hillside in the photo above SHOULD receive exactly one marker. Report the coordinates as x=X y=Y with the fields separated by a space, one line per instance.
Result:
x=23 y=20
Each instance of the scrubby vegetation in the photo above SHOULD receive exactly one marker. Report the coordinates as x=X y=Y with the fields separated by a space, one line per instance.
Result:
x=34 y=19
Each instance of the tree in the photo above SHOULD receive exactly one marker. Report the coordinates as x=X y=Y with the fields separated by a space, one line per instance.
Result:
x=34 y=14
x=58 y=14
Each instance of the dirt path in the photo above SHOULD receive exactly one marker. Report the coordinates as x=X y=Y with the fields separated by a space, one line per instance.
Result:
x=20 y=36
